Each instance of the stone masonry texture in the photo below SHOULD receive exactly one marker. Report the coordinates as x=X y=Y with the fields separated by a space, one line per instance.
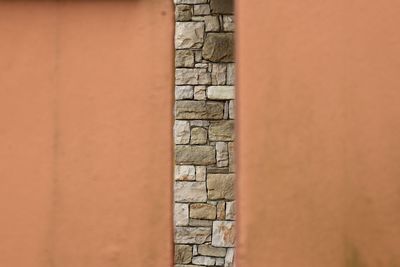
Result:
x=204 y=208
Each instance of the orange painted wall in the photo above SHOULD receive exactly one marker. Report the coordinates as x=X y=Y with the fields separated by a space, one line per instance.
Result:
x=85 y=133
x=319 y=133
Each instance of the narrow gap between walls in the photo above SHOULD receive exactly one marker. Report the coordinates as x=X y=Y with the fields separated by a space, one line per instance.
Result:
x=204 y=200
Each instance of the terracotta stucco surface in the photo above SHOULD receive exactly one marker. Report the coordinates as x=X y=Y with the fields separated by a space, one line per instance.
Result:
x=319 y=133
x=86 y=133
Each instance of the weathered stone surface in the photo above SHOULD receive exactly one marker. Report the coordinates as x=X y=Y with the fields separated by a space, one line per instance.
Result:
x=182 y=132
x=223 y=234
x=183 y=13
x=184 y=92
x=218 y=74
x=201 y=172
x=185 y=173
x=220 y=186
x=200 y=92
x=177 y=2
x=189 y=34
x=221 y=210
x=184 y=58
x=198 y=136
x=192 y=76
x=230 y=210
x=197 y=222
x=181 y=214
x=222 y=6
x=217 y=170
x=221 y=92
x=226 y=110
x=202 y=260
x=203 y=9
x=203 y=211
x=221 y=131
x=219 y=47
x=190 y=192
x=228 y=24
x=232 y=109
x=231 y=149
x=183 y=254
x=199 y=110
x=230 y=74
x=229 y=258
x=196 y=155
x=212 y=23
x=208 y=250
x=192 y=235
x=219 y=261
x=222 y=154
x=199 y=123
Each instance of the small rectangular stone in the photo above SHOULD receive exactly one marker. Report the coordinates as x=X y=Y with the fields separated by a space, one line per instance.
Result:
x=195 y=155
x=184 y=92
x=189 y=34
x=232 y=109
x=190 y=192
x=228 y=23
x=185 y=173
x=182 y=132
x=231 y=148
x=212 y=23
x=192 y=235
x=198 y=136
x=200 y=93
x=181 y=214
x=201 y=172
x=208 y=250
x=183 y=13
x=199 y=110
x=222 y=154
x=221 y=131
x=183 y=254
x=192 y=76
x=203 y=9
x=230 y=210
x=230 y=74
x=203 y=223
x=223 y=234
x=184 y=58
x=203 y=211
x=177 y=2
x=221 y=186
x=202 y=260
x=221 y=92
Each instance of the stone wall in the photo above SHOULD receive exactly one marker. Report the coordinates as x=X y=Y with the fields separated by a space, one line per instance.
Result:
x=204 y=210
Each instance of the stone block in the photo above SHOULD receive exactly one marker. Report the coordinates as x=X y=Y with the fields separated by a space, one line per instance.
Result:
x=201 y=172
x=183 y=13
x=221 y=131
x=195 y=155
x=223 y=234
x=182 y=132
x=185 y=173
x=183 y=254
x=218 y=74
x=219 y=47
x=200 y=10
x=199 y=110
x=184 y=58
x=192 y=77
x=231 y=149
x=228 y=23
x=221 y=92
x=203 y=260
x=190 y=192
x=222 y=6
x=211 y=23
x=203 y=211
x=230 y=210
x=208 y=250
x=222 y=154
x=181 y=214
x=221 y=186
x=189 y=35
x=192 y=235
x=198 y=136
x=184 y=92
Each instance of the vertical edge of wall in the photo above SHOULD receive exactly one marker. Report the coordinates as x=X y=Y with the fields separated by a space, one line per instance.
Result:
x=318 y=126
x=86 y=93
